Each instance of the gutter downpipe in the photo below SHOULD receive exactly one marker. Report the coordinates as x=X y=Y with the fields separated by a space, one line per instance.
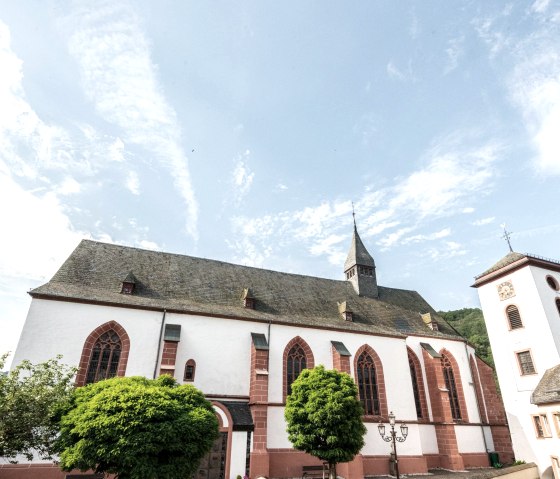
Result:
x=268 y=339
x=476 y=399
x=159 y=343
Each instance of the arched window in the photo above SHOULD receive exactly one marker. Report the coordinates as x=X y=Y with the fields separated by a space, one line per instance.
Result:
x=558 y=305
x=105 y=357
x=297 y=357
x=295 y=364
x=417 y=385
x=451 y=387
x=514 y=318
x=190 y=369
x=367 y=385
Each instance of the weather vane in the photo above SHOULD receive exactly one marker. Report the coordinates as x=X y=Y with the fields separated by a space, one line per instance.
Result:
x=507 y=236
x=353 y=214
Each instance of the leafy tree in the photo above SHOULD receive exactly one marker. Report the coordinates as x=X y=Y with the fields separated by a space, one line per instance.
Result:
x=137 y=428
x=469 y=323
x=324 y=416
x=31 y=398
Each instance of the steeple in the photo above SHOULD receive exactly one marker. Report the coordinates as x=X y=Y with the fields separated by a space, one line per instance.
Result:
x=359 y=268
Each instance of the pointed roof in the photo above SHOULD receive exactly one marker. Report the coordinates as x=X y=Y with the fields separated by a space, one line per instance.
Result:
x=358 y=253
x=513 y=261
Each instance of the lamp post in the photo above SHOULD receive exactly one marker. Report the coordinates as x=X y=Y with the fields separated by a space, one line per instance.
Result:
x=393 y=438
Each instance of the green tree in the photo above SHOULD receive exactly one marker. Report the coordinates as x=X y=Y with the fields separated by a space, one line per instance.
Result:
x=31 y=398
x=469 y=323
x=137 y=428
x=324 y=416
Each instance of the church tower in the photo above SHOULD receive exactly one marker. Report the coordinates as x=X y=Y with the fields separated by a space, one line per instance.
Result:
x=359 y=268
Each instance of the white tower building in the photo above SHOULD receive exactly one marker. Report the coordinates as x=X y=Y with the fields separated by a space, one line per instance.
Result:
x=520 y=298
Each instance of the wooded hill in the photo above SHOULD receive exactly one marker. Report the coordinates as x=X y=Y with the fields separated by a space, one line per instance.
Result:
x=469 y=323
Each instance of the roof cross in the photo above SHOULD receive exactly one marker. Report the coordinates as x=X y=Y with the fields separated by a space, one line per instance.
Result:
x=353 y=214
x=507 y=236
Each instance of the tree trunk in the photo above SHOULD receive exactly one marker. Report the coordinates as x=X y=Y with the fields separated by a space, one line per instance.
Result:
x=332 y=470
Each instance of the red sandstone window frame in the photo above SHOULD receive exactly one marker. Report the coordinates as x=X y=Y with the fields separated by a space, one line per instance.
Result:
x=190 y=371
x=541 y=426
x=556 y=421
x=452 y=390
x=309 y=362
x=414 y=362
x=91 y=340
x=510 y=321
x=555 y=466
x=382 y=412
x=519 y=362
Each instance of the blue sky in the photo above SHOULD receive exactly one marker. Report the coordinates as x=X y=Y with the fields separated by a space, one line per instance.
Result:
x=242 y=131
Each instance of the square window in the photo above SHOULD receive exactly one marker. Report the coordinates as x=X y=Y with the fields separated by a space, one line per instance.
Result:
x=540 y=421
x=525 y=362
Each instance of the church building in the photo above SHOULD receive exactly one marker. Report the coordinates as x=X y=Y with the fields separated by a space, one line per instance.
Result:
x=242 y=335
x=520 y=298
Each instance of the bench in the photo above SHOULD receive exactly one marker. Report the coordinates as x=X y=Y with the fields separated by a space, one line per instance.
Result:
x=315 y=471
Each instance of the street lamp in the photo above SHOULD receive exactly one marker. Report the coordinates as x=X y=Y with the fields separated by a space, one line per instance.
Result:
x=393 y=438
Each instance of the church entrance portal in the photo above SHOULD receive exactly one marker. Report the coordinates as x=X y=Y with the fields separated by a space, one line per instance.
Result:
x=213 y=465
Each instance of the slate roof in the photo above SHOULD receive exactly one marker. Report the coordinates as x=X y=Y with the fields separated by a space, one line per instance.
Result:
x=94 y=273
x=508 y=261
x=505 y=261
x=358 y=254
x=240 y=415
x=548 y=389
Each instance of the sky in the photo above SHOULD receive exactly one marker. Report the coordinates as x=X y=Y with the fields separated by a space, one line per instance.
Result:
x=243 y=131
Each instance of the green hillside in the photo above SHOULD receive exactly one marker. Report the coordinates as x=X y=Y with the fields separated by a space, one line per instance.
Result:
x=469 y=322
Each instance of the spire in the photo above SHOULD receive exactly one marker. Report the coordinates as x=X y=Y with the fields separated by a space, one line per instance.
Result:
x=358 y=253
x=359 y=266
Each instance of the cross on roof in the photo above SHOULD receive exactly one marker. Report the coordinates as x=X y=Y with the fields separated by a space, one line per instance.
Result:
x=507 y=236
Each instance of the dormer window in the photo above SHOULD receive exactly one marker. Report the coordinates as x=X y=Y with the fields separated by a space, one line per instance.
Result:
x=345 y=311
x=248 y=299
x=127 y=288
x=128 y=284
x=430 y=322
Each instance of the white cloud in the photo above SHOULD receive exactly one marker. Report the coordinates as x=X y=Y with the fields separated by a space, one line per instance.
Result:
x=118 y=76
x=429 y=237
x=457 y=169
x=448 y=250
x=133 y=182
x=540 y=6
x=41 y=235
x=454 y=52
x=69 y=186
x=394 y=72
x=242 y=176
x=496 y=39
x=453 y=173
x=535 y=88
x=484 y=221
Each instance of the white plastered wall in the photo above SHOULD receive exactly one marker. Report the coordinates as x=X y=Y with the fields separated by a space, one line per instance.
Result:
x=540 y=334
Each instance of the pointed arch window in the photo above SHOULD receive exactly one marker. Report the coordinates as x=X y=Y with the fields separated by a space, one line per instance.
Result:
x=105 y=356
x=451 y=387
x=514 y=318
x=415 y=386
x=296 y=362
x=368 y=385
